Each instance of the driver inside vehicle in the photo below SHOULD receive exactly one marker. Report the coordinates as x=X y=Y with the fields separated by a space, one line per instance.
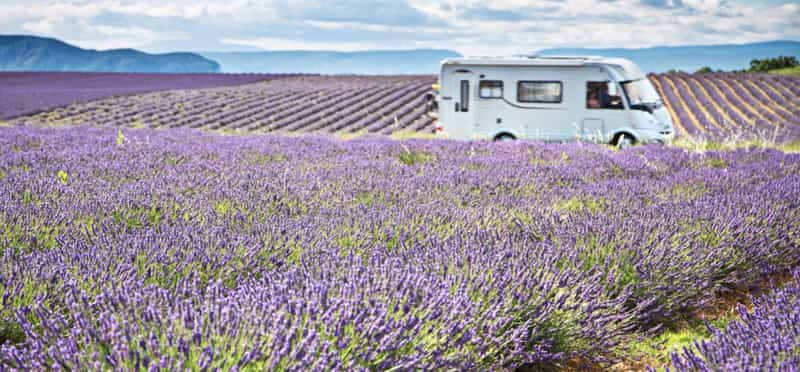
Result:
x=591 y=99
x=599 y=91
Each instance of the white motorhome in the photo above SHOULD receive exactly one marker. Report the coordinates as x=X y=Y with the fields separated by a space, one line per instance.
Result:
x=550 y=98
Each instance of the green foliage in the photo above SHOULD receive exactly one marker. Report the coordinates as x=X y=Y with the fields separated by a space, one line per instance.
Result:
x=791 y=71
x=706 y=146
x=29 y=145
x=171 y=159
x=409 y=157
x=223 y=208
x=30 y=198
x=11 y=332
x=536 y=162
x=775 y=63
x=62 y=177
x=580 y=203
x=564 y=332
x=704 y=70
x=616 y=171
x=288 y=206
x=261 y=159
x=656 y=349
x=139 y=217
x=713 y=146
x=400 y=135
x=28 y=239
x=715 y=162
x=594 y=253
x=127 y=217
x=154 y=217
x=688 y=190
x=120 y=137
x=368 y=199
x=793 y=146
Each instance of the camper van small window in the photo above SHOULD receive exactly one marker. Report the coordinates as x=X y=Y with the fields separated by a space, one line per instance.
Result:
x=491 y=89
x=539 y=91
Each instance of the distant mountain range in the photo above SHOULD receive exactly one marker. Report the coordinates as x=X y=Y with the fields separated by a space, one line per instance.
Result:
x=417 y=61
x=31 y=53
x=691 y=58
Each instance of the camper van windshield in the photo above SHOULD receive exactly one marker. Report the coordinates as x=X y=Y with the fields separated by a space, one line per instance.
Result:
x=641 y=92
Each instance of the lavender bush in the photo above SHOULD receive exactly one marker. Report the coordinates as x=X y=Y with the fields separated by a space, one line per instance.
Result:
x=172 y=249
x=764 y=339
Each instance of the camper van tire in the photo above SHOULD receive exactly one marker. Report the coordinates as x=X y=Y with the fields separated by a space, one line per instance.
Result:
x=504 y=137
x=623 y=140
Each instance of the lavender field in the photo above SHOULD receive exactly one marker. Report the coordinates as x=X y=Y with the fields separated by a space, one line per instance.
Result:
x=25 y=93
x=715 y=107
x=143 y=249
x=732 y=106
x=323 y=104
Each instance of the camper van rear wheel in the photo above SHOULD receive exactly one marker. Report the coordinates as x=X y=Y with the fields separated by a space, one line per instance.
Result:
x=504 y=137
x=624 y=140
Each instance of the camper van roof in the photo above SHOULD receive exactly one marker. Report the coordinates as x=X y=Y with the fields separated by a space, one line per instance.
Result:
x=630 y=68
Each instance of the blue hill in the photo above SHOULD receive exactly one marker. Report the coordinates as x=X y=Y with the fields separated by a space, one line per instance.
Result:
x=31 y=53
x=691 y=58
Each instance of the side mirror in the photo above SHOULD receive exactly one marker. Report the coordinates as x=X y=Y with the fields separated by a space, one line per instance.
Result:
x=642 y=107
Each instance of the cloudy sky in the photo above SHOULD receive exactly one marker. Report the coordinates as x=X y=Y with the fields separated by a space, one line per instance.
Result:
x=471 y=27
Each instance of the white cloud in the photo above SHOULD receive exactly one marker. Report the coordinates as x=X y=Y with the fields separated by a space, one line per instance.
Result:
x=791 y=8
x=44 y=26
x=73 y=24
x=158 y=10
x=111 y=37
x=469 y=26
x=290 y=44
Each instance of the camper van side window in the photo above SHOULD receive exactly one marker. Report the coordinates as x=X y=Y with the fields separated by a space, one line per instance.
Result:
x=491 y=89
x=464 y=96
x=603 y=95
x=464 y=99
x=539 y=91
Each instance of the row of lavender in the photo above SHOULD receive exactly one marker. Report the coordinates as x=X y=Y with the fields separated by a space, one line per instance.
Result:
x=724 y=105
x=766 y=338
x=24 y=93
x=166 y=250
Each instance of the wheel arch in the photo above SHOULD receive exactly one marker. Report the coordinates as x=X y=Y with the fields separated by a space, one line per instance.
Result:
x=504 y=132
x=619 y=132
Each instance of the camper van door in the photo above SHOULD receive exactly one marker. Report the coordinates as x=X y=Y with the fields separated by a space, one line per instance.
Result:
x=462 y=90
x=605 y=110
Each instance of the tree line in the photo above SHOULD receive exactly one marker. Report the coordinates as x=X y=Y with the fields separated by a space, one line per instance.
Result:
x=757 y=65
